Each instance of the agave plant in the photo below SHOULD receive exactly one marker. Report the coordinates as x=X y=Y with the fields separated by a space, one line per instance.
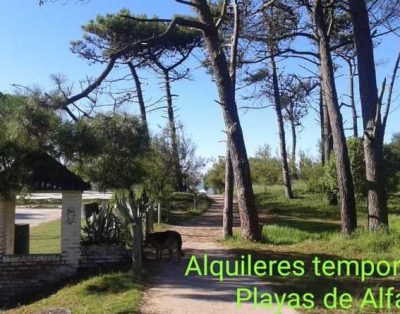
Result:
x=125 y=210
x=103 y=227
x=130 y=210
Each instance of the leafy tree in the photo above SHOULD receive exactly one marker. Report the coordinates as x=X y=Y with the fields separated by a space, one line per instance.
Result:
x=373 y=121
x=230 y=20
x=391 y=170
x=215 y=176
x=115 y=32
x=157 y=164
x=191 y=165
x=25 y=127
x=27 y=124
x=225 y=84
x=210 y=30
x=295 y=94
x=392 y=164
x=321 y=14
x=311 y=172
x=118 y=142
x=276 y=20
x=265 y=169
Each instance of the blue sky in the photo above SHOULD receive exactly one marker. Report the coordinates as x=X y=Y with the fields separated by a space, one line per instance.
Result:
x=35 y=44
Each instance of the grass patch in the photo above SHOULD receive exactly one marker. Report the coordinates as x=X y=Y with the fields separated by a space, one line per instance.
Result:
x=362 y=244
x=46 y=238
x=305 y=205
x=111 y=293
x=283 y=235
x=308 y=226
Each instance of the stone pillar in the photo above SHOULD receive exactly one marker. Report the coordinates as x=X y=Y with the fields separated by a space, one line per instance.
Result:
x=7 y=225
x=71 y=227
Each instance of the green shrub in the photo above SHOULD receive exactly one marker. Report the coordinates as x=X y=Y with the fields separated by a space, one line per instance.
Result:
x=215 y=176
x=391 y=168
x=310 y=172
x=357 y=164
x=312 y=177
x=329 y=181
x=103 y=227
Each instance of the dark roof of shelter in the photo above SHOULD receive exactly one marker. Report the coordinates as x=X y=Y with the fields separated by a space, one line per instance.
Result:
x=44 y=173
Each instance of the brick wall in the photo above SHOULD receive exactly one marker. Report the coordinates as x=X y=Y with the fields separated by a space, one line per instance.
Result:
x=20 y=276
x=103 y=256
x=23 y=276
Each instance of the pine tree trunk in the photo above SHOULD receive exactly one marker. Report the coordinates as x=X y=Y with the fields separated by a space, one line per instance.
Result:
x=142 y=106
x=352 y=100
x=282 y=140
x=326 y=131
x=322 y=126
x=247 y=209
x=294 y=148
x=345 y=180
x=373 y=129
x=328 y=140
x=143 y=119
x=227 y=219
x=173 y=134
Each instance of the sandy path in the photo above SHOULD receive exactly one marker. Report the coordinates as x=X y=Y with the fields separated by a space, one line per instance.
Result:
x=172 y=292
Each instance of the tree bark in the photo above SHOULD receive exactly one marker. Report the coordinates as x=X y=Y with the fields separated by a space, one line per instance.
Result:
x=345 y=180
x=294 y=145
x=326 y=131
x=328 y=140
x=322 y=126
x=248 y=213
x=140 y=98
x=173 y=133
x=227 y=219
x=143 y=118
x=352 y=99
x=373 y=128
x=282 y=140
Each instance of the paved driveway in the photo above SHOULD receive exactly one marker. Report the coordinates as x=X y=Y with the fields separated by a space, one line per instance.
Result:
x=37 y=216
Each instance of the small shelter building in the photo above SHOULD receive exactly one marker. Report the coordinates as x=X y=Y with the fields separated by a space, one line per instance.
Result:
x=43 y=173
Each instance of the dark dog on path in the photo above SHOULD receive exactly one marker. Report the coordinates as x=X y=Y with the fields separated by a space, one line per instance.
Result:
x=168 y=240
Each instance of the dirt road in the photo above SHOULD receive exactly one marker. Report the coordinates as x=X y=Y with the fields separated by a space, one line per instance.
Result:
x=172 y=292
